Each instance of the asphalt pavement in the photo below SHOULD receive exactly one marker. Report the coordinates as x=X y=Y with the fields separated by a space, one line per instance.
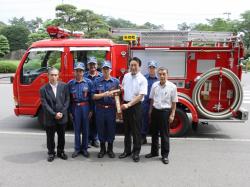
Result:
x=215 y=155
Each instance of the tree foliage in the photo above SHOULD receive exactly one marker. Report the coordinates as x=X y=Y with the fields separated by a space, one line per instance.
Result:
x=17 y=36
x=4 y=46
x=33 y=37
x=21 y=32
x=244 y=26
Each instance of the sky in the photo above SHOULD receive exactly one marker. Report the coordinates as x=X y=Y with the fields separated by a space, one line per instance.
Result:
x=169 y=13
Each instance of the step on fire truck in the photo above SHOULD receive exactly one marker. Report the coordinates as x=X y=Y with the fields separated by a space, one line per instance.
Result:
x=205 y=66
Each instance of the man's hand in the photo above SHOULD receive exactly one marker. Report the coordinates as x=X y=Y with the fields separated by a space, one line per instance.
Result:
x=124 y=106
x=121 y=87
x=171 y=118
x=90 y=114
x=108 y=94
x=59 y=115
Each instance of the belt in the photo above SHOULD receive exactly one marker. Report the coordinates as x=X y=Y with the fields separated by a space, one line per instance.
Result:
x=105 y=106
x=163 y=109
x=81 y=103
x=129 y=101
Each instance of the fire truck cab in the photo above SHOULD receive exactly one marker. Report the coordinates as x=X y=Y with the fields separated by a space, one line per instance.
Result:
x=205 y=66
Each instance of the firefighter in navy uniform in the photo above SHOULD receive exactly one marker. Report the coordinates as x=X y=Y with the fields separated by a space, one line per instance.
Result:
x=93 y=74
x=105 y=109
x=151 y=78
x=81 y=108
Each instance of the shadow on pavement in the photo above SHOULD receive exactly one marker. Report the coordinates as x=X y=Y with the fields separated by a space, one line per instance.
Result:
x=26 y=158
x=31 y=124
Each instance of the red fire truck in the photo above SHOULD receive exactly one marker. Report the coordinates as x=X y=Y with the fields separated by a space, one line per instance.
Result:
x=205 y=66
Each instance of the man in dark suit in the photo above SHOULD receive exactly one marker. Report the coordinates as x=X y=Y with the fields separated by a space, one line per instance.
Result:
x=55 y=102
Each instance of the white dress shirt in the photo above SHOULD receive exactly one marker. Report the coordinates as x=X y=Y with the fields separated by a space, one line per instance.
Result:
x=134 y=85
x=163 y=95
x=54 y=88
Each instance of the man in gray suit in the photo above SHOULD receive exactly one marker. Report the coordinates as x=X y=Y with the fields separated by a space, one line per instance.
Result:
x=55 y=102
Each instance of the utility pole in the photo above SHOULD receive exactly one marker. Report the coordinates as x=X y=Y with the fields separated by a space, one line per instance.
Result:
x=228 y=15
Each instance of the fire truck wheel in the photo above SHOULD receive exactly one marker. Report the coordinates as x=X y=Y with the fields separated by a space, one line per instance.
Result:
x=180 y=124
x=195 y=126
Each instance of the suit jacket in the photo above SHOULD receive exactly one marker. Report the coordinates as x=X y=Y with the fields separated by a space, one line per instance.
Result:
x=51 y=104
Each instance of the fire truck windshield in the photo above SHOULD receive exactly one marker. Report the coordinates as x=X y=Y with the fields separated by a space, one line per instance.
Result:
x=38 y=62
x=82 y=56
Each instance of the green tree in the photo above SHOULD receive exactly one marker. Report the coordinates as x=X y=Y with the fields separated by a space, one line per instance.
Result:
x=66 y=16
x=33 y=37
x=149 y=25
x=2 y=25
x=184 y=26
x=217 y=24
x=17 y=36
x=4 y=46
x=245 y=27
x=92 y=24
x=18 y=21
x=119 y=23
x=34 y=24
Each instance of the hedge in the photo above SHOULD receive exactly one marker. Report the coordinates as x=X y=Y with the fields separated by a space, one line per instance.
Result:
x=8 y=66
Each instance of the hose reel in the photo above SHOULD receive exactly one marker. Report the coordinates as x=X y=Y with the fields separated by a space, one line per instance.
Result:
x=220 y=113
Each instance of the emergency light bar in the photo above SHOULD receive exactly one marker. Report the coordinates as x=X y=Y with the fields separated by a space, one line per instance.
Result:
x=59 y=33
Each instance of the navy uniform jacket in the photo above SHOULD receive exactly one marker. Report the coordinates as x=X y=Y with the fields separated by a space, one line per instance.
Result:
x=101 y=85
x=81 y=91
x=88 y=76
x=151 y=81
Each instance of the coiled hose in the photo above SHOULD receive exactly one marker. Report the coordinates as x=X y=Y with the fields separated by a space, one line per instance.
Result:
x=238 y=96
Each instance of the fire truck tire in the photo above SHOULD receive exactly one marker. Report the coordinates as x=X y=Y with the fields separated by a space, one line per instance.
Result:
x=195 y=126
x=180 y=125
x=238 y=94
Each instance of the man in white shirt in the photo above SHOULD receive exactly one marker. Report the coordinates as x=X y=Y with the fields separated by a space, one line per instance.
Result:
x=163 y=97
x=135 y=87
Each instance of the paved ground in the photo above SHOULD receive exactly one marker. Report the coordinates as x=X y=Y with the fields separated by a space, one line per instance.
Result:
x=217 y=155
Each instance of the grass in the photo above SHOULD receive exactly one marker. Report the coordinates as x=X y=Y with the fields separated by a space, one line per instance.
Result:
x=8 y=66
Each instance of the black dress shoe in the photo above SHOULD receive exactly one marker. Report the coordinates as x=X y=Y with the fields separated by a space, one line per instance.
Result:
x=111 y=154
x=102 y=151
x=75 y=154
x=124 y=155
x=62 y=156
x=165 y=160
x=150 y=155
x=85 y=153
x=136 y=158
x=95 y=144
x=101 y=154
x=51 y=157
